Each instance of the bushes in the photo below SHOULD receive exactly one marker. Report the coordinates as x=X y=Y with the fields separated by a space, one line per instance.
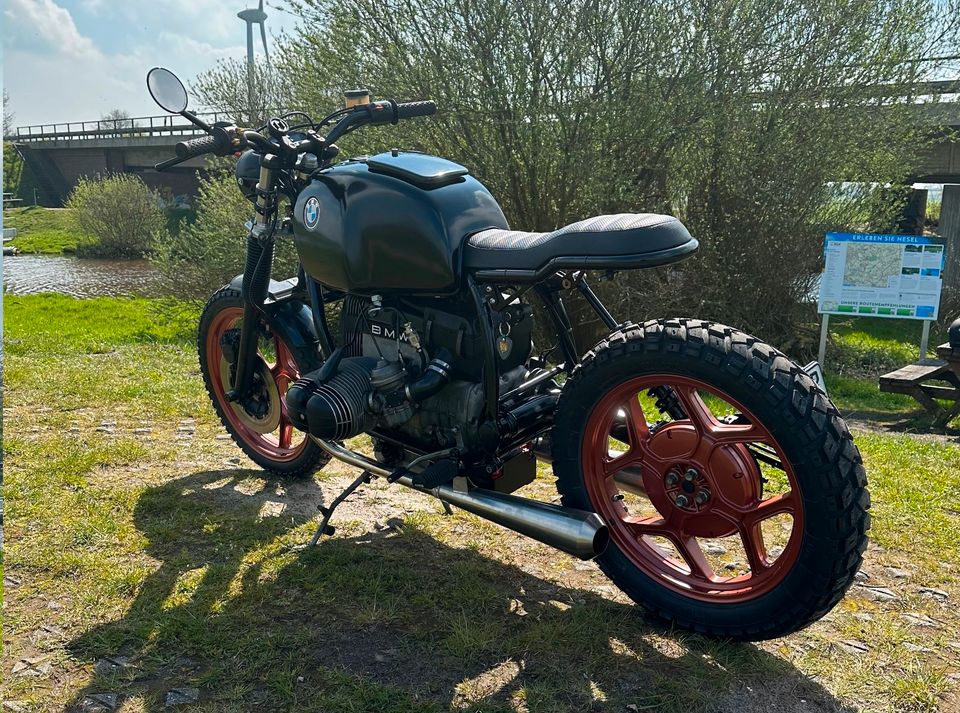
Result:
x=208 y=252
x=739 y=118
x=120 y=214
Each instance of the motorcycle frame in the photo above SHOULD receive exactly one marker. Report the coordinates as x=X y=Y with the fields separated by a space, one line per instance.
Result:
x=295 y=310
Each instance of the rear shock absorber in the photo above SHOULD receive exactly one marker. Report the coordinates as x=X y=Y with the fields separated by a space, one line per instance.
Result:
x=668 y=402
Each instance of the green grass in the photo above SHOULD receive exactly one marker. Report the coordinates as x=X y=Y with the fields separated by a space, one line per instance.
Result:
x=860 y=350
x=156 y=548
x=58 y=324
x=42 y=230
x=872 y=345
x=49 y=231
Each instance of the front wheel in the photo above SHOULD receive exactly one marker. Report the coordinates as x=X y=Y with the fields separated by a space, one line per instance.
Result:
x=259 y=423
x=735 y=497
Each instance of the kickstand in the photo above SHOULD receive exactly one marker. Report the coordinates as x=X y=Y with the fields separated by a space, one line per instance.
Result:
x=447 y=510
x=325 y=528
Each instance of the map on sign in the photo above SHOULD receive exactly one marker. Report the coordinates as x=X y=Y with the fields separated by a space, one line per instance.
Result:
x=882 y=275
x=870 y=264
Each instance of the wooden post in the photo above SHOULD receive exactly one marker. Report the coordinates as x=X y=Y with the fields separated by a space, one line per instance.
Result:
x=950 y=230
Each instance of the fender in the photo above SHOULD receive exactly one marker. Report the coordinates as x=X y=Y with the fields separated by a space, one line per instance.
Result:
x=290 y=318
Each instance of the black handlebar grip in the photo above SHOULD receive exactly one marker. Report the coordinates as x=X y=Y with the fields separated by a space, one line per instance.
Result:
x=409 y=110
x=197 y=147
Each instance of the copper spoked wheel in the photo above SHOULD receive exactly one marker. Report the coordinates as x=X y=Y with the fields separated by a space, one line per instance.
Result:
x=672 y=487
x=734 y=495
x=259 y=423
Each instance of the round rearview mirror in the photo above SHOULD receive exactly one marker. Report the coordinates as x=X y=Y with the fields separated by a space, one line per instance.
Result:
x=167 y=90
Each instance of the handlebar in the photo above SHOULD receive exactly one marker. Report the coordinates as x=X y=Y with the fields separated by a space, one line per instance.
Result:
x=390 y=112
x=197 y=147
x=409 y=110
x=224 y=139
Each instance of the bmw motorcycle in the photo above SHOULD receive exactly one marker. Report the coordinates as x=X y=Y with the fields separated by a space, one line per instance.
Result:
x=708 y=475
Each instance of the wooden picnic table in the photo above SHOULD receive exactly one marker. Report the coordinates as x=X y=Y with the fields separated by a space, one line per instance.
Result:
x=931 y=379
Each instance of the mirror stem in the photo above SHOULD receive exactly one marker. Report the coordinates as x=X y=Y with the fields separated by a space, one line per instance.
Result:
x=192 y=118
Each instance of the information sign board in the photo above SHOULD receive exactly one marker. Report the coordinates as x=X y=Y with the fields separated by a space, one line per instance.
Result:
x=897 y=276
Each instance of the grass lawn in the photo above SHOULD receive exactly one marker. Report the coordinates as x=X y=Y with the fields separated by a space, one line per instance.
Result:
x=42 y=230
x=49 y=231
x=144 y=556
x=862 y=349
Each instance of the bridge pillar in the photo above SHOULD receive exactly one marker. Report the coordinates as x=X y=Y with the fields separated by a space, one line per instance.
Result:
x=914 y=212
x=950 y=231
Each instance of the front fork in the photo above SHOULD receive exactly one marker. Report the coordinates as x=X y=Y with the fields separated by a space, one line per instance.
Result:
x=256 y=276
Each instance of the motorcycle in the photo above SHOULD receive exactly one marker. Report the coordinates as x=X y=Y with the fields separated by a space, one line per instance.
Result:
x=709 y=476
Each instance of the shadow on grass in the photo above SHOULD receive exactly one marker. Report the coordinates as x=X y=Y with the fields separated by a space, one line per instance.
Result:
x=393 y=620
x=917 y=422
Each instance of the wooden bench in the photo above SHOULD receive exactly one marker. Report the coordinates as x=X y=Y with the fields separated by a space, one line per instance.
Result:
x=914 y=380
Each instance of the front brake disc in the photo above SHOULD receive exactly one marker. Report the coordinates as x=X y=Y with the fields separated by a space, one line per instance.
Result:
x=260 y=411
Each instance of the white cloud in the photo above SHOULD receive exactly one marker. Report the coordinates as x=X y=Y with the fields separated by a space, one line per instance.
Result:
x=56 y=73
x=183 y=46
x=44 y=23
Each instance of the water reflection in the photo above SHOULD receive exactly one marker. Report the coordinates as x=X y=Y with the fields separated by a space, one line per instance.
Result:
x=29 y=274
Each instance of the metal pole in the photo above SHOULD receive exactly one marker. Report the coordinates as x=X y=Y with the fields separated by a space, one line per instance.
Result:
x=250 y=71
x=924 y=340
x=822 y=352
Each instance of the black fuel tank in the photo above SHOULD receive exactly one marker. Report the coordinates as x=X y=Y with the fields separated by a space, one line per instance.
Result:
x=392 y=222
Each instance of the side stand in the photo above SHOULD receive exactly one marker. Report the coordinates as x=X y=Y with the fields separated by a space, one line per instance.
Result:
x=325 y=528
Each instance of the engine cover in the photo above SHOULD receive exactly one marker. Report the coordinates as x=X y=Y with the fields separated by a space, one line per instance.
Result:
x=380 y=379
x=447 y=323
x=335 y=409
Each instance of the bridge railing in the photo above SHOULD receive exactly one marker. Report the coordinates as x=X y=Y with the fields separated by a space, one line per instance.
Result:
x=133 y=127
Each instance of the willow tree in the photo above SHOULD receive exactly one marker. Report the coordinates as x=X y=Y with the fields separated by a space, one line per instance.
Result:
x=742 y=118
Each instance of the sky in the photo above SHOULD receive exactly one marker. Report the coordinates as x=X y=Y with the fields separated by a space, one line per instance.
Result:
x=76 y=60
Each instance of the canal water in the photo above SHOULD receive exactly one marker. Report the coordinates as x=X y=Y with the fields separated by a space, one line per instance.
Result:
x=30 y=274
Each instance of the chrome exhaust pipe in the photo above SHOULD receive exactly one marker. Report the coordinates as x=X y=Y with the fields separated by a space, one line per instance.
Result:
x=581 y=534
x=630 y=479
x=576 y=532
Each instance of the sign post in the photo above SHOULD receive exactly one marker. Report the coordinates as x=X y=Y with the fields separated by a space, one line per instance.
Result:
x=824 y=329
x=890 y=276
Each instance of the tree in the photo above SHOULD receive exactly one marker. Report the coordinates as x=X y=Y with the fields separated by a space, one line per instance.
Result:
x=743 y=119
x=7 y=114
x=117 y=119
x=206 y=254
x=224 y=89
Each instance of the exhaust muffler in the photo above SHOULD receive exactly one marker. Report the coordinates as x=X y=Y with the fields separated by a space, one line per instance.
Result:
x=576 y=532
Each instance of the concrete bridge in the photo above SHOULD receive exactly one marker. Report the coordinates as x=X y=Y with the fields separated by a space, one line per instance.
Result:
x=60 y=154
x=941 y=163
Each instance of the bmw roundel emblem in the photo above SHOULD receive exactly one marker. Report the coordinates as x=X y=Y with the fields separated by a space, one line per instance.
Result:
x=311 y=212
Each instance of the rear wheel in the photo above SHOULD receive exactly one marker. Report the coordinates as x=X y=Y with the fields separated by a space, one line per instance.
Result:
x=259 y=424
x=735 y=497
